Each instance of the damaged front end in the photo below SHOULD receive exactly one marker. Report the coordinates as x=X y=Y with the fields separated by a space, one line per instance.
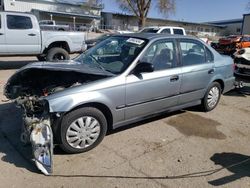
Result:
x=29 y=88
x=37 y=130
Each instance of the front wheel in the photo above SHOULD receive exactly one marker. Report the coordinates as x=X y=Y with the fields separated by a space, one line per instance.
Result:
x=82 y=130
x=212 y=97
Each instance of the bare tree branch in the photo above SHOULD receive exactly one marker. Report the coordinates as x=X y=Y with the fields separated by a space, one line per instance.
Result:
x=140 y=8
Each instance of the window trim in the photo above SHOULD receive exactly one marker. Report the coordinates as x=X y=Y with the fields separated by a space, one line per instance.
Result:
x=175 y=48
x=195 y=42
x=179 y=30
x=18 y=28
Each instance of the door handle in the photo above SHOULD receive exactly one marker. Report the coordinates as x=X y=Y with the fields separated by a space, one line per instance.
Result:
x=174 y=78
x=211 y=71
x=32 y=34
x=1 y=33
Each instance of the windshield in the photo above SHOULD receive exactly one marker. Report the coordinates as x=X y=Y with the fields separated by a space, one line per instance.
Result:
x=150 y=30
x=113 y=54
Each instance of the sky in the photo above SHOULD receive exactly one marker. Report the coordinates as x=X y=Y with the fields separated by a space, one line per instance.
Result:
x=194 y=10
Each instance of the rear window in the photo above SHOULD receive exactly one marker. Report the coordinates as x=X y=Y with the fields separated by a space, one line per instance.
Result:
x=166 y=31
x=150 y=30
x=178 y=32
x=18 y=22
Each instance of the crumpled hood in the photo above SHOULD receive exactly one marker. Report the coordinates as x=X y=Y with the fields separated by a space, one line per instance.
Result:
x=38 y=76
x=69 y=65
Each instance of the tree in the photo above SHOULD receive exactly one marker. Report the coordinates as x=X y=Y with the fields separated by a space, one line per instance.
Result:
x=140 y=8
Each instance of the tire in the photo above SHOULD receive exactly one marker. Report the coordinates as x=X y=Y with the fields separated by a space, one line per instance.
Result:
x=57 y=54
x=208 y=103
x=76 y=139
x=41 y=58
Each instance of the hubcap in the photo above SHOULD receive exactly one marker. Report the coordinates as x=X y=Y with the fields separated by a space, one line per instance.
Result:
x=58 y=57
x=213 y=97
x=83 y=132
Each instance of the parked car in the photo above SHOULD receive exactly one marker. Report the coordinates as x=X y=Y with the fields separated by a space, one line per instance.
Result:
x=164 y=29
x=242 y=62
x=20 y=34
x=229 y=45
x=76 y=102
x=51 y=25
x=92 y=42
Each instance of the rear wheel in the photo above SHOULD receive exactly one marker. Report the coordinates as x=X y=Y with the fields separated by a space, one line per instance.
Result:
x=212 y=97
x=82 y=130
x=41 y=57
x=57 y=54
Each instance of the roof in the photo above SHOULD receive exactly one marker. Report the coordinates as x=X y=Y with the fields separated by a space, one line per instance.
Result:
x=152 y=36
x=87 y=16
x=163 y=27
x=176 y=21
x=68 y=2
x=225 y=22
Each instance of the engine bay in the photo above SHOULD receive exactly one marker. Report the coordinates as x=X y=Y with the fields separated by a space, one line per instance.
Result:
x=42 y=82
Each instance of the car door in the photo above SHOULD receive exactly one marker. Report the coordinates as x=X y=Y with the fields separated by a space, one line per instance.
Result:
x=197 y=69
x=21 y=36
x=156 y=91
x=2 y=36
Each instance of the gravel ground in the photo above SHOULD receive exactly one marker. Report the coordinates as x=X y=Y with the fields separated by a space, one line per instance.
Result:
x=183 y=149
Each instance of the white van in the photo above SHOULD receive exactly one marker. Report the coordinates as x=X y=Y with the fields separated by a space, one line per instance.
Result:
x=164 y=29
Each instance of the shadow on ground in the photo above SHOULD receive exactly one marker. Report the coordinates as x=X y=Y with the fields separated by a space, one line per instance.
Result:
x=20 y=156
x=237 y=164
x=239 y=92
x=12 y=149
x=4 y=65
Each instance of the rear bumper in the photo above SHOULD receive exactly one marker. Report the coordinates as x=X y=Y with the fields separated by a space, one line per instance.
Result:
x=241 y=74
x=229 y=84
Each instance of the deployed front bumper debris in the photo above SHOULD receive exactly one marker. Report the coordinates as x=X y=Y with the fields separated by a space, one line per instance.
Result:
x=37 y=130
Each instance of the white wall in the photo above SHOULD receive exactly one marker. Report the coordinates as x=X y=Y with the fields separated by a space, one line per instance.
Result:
x=246 y=25
x=23 y=6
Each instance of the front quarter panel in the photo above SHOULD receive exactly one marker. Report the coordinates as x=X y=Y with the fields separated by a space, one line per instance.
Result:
x=110 y=93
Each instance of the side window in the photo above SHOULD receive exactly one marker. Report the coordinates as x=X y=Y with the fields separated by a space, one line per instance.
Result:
x=178 y=32
x=0 y=22
x=18 y=22
x=192 y=53
x=161 y=54
x=209 y=55
x=166 y=31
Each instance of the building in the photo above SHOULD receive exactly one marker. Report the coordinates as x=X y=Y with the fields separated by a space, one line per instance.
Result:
x=232 y=27
x=129 y=22
x=58 y=10
x=246 y=24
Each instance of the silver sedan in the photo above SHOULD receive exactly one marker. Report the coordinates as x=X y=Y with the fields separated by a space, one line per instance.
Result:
x=121 y=80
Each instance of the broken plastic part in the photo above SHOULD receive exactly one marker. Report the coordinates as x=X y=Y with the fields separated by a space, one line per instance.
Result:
x=42 y=145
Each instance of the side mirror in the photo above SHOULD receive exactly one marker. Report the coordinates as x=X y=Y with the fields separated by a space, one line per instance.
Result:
x=143 y=67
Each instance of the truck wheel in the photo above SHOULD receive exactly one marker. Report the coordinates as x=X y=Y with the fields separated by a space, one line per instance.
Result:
x=41 y=58
x=82 y=130
x=57 y=54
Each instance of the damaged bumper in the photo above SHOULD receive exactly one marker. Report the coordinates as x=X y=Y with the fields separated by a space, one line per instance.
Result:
x=37 y=131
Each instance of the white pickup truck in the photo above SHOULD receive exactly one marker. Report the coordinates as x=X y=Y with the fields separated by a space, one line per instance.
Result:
x=51 y=25
x=20 y=34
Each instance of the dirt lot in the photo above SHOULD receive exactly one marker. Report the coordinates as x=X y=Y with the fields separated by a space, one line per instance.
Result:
x=183 y=149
